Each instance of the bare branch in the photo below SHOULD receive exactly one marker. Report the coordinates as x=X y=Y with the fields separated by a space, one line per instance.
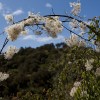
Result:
x=5 y=43
x=75 y=33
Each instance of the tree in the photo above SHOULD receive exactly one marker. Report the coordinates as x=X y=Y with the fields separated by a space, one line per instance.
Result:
x=54 y=24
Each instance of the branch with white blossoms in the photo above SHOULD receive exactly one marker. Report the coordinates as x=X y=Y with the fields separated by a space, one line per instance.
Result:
x=50 y=23
x=75 y=41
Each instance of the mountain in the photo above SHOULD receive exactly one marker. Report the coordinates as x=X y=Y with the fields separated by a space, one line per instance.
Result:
x=44 y=73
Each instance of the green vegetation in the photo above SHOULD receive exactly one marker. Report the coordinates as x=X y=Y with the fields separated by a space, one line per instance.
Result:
x=45 y=73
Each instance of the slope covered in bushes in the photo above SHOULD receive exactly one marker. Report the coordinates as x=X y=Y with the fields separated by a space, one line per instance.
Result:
x=45 y=73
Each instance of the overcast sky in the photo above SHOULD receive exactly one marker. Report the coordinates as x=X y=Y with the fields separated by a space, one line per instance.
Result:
x=20 y=8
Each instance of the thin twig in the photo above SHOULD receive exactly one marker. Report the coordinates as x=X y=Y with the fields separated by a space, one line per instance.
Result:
x=53 y=11
x=5 y=43
x=75 y=33
x=70 y=17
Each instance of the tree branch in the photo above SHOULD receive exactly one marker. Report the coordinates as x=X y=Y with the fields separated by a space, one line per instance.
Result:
x=75 y=33
x=5 y=43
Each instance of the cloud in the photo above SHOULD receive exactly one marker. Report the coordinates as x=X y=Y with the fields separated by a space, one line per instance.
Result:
x=1 y=6
x=43 y=39
x=4 y=9
x=29 y=37
x=48 y=5
x=17 y=12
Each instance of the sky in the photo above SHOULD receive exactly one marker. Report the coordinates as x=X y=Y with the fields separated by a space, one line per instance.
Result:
x=20 y=8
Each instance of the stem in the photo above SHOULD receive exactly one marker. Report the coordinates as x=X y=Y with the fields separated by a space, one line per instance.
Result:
x=63 y=16
x=5 y=43
x=69 y=17
x=75 y=33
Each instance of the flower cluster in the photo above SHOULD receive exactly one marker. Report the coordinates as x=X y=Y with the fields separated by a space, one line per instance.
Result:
x=82 y=43
x=84 y=94
x=3 y=76
x=24 y=32
x=53 y=26
x=75 y=41
x=89 y=65
x=83 y=27
x=35 y=17
x=50 y=24
x=13 y=31
x=74 y=24
x=29 y=21
x=76 y=8
x=72 y=41
x=11 y=50
x=9 y=18
x=97 y=73
x=32 y=19
x=77 y=84
x=75 y=88
x=97 y=46
x=97 y=49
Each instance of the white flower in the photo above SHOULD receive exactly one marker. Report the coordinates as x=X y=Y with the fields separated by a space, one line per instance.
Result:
x=73 y=91
x=83 y=27
x=75 y=41
x=89 y=65
x=72 y=41
x=82 y=43
x=75 y=88
x=76 y=8
x=97 y=49
x=53 y=26
x=3 y=76
x=34 y=18
x=13 y=31
x=73 y=24
x=69 y=62
x=77 y=84
x=97 y=46
x=11 y=50
x=29 y=21
x=81 y=34
x=91 y=60
x=74 y=37
x=24 y=32
x=9 y=18
x=84 y=93
x=97 y=43
x=30 y=14
x=97 y=73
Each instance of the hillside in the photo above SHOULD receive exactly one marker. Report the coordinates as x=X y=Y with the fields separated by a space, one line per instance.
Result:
x=45 y=73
